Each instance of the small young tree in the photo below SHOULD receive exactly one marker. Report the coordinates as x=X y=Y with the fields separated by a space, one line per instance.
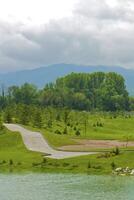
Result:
x=65 y=131
x=37 y=119
x=113 y=165
x=89 y=164
x=1 y=123
x=8 y=116
x=117 y=151
x=49 y=123
x=77 y=133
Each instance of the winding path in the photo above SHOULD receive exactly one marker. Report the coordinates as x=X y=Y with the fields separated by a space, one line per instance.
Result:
x=34 y=141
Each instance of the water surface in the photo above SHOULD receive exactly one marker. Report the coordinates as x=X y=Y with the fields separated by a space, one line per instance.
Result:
x=65 y=187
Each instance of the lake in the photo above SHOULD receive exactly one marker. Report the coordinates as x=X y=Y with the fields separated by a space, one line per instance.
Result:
x=65 y=187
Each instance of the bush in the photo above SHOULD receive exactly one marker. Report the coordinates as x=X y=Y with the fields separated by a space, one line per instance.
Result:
x=113 y=165
x=65 y=131
x=44 y=161
x=8 y=117
x=35 y=164
x=97 y=167
x=89 y=165
x=99 y=124
x=49 y=123
x=75 y=128
x=58 y=132
x=117 y=151
x=3 y=161
x=58 y=118
x=74 y=166
x=65 y=164
x=19 y=163
x=10 y=162
x=77 y=133
x=68 y=124
x=1 y=123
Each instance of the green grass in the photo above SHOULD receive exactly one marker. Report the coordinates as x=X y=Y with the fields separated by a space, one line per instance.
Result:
x=80 y=164
x=12 y=148
x=97 y=165
x=119 y=128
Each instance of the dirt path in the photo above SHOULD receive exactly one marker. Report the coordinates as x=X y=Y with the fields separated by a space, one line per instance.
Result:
x=34 y=141
x=87 y=145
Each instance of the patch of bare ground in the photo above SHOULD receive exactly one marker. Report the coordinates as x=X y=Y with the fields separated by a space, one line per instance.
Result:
x=86 y=145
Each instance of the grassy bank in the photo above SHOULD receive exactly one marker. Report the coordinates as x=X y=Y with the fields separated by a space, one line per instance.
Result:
x=14 y=157
x=13 y=154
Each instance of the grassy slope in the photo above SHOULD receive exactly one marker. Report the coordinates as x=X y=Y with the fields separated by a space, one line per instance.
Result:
x=113 y=129
x=119 y=128
x=11 y=147
x=98 y=165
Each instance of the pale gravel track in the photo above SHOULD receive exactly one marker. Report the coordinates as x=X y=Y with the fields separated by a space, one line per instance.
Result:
x=34 y=141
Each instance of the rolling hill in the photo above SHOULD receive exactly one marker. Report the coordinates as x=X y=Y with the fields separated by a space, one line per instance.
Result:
x=43 y=75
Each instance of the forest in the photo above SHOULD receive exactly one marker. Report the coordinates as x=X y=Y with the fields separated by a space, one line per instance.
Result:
x=97 y=91
x=70 y=99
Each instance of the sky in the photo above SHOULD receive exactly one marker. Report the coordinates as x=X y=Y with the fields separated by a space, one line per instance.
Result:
x=35 y=33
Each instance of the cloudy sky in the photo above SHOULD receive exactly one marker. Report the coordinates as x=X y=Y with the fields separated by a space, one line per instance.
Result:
x=36 y=33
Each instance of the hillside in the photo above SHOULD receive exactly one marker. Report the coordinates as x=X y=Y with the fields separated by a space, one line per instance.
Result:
x=43 y=75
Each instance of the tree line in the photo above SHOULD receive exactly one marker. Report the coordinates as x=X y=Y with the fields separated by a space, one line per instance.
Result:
x=97 y=91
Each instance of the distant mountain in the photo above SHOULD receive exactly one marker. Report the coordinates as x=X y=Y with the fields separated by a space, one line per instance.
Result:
x=43 y=75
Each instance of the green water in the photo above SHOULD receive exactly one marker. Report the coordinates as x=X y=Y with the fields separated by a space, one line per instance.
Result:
x=65 y=187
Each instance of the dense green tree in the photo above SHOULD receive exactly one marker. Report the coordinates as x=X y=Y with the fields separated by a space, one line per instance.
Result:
x=97 y=91
x=37 y=119
x=26 y=94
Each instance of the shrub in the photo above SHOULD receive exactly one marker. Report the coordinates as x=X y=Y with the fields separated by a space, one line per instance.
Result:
x=1 y=123
x=58 y=117
x=113 y=165
x=97 y=167
x=74 y=166
x=58 y=132
x=10 y=162
x=3 y=161
x=65 y=164
x=49 y=123
x=77 y=133
x=89 y=165
x=44 y=161
x=75 y=128
x=35 y=164
x=117 y=151
x=19 y=163
x=68 y=124
x=65 y=131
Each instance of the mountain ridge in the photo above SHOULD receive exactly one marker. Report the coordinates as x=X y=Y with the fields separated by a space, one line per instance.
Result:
x=43 y=75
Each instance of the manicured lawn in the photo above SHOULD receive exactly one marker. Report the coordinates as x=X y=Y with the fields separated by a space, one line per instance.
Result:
x=98 y=165
x=13 y=154
x=14 y=157
x=91 y=164
x=120 y=128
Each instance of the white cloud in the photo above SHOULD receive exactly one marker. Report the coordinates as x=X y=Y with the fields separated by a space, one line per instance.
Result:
x=95 y=32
